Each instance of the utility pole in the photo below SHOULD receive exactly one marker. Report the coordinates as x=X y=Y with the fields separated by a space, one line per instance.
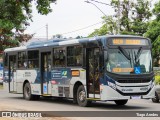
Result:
x=47 y=31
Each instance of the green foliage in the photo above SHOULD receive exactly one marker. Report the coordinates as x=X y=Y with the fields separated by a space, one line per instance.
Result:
x=133 y=17
x=43 y=6
x=15 y=15
x=157 y=80
x=153 y=33
x=102 y=31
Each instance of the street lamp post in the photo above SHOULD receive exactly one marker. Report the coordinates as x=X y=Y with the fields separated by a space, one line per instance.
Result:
x=96 y=7
x=118 y=22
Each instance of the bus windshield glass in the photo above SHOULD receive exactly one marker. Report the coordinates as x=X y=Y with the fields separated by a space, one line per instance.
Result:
x=129 y=61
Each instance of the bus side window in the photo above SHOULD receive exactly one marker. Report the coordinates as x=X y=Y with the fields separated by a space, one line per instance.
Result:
x=74 y=56
x=21 y=59
x=59 y=57
x=33 y=59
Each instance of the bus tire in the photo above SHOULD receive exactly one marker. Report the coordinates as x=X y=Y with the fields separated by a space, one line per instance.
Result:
x=27 y=92
x=121 y=102
x=81 y=97
x=155 y=99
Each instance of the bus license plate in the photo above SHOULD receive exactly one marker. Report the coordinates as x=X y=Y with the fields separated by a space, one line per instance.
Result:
x=135 y=97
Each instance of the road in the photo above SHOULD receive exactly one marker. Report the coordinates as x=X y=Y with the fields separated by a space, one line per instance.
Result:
x=15 y=102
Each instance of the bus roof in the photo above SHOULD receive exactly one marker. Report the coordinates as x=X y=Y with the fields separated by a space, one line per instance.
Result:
x=59 y=42
x=15 y=49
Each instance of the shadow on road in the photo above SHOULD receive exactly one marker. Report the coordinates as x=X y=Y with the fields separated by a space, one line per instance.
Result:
x=100 y=105
x=109 y=105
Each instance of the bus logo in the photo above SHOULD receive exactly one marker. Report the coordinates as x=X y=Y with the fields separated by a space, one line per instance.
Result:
x=64 y=73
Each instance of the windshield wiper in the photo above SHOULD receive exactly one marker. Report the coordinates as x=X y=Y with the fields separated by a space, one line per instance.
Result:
x=123 y=51
x=138 y=54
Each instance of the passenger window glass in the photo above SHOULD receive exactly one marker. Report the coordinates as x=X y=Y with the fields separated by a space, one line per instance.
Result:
x=22 y=61
x=74 y=56
x=59 y=57
x=33 y=59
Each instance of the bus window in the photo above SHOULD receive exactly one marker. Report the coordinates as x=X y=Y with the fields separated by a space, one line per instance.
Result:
x=74 y=56
x=33 y=59
x=59 y=57
x=22 y=60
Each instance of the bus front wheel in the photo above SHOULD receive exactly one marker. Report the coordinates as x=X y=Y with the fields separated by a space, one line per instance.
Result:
x=81 y=97
x=27 y=93
x=155 y=99
x=121 y=102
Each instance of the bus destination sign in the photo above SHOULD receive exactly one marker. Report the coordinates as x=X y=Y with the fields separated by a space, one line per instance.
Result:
x=121 y=41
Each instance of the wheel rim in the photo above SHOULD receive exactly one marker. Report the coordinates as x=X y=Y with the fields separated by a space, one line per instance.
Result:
x=82 y=96
x=155 y=97
x=27 y=92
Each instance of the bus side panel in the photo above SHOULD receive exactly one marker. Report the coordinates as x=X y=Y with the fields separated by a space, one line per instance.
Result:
x=81 y=78
x=32 y=77
x=36 y=89
x=62 y=86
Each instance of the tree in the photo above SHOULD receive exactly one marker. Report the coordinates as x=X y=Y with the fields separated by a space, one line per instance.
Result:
x=153 y=32
x=134 y=16
x=102 y=31
x=14 y=15
x=109 y=26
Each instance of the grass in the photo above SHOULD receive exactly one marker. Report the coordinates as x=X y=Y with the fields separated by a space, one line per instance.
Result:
x=1 y=86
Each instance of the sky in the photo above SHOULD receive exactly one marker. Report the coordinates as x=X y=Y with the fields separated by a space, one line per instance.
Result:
x=68 y=16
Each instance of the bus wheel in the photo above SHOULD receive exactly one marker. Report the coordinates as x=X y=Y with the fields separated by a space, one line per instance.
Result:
x=81 y=97
x=27 y=92
x=121 y=102
x=155 y=99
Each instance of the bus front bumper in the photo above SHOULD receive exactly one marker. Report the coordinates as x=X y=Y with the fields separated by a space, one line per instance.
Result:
x=121 y=93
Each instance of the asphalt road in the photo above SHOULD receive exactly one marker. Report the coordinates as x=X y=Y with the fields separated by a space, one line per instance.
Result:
x=15 y=102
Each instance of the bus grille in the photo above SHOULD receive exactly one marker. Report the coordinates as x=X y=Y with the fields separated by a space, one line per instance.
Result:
x=142 y=78
x=134 y=81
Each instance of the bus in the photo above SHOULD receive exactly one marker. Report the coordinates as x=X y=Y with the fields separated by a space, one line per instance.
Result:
x=1 y=71
x=103 y=68
x=1 y=64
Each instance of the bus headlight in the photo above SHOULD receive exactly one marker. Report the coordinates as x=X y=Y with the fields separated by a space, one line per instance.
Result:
x=152 y=84
x=112 y=85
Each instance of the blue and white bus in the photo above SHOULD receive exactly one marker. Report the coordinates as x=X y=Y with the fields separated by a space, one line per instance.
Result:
x=104 y=68
x=1 y=66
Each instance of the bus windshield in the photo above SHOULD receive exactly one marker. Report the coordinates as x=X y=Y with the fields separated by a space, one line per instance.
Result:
x=129 y=61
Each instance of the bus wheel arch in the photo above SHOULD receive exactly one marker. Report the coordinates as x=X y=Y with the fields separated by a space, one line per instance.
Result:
x=27 y=92
x=79 y=92
x=75 y=88
x=81 y=97
x=155 y=99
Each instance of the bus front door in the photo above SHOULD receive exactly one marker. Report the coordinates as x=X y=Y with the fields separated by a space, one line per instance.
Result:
x=12 y=73
x=46 y=73
x=93 y=74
